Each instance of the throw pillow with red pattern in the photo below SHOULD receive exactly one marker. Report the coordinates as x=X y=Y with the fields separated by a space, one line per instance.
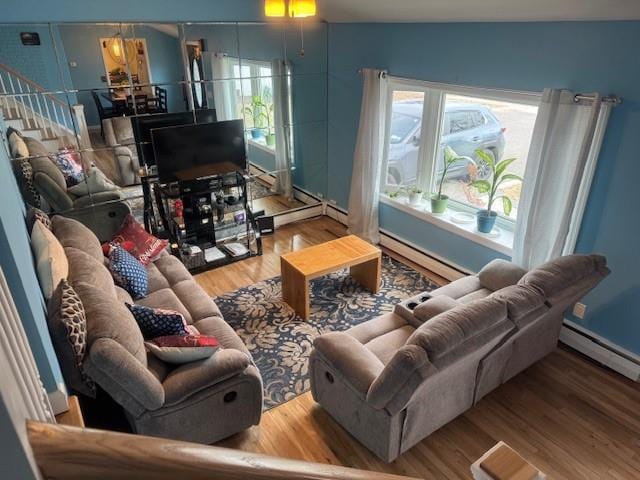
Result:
x=179 y=349
x=146 y=247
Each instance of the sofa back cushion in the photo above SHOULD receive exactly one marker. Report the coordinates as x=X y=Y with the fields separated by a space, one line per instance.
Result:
x=107 y=317
x=449 y=330
x=72 y=233
x=556 y=275
x=84 y=268
x=499 y=274
x=521 y=300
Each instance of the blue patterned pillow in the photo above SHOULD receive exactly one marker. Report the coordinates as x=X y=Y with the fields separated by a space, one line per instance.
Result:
x=156 y=322
x=128 y=272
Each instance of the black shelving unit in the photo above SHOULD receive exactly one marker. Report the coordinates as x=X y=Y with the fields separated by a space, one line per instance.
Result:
x=216 y=213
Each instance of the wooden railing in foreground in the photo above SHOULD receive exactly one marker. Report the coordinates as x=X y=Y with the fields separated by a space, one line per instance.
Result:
x=77 y=453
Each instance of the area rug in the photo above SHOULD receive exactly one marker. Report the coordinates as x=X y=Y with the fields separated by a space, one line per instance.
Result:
x=280 y=341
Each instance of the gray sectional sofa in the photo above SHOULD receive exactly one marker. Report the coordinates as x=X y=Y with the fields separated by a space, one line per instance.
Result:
x=395 y=379
x=202 y=401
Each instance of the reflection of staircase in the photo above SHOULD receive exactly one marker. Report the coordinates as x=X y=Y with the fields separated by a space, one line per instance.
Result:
x=28 y=107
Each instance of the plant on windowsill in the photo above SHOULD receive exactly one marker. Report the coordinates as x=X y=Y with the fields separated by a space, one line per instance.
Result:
x=486 y=219
x=438 y=200
x=255 y=111
x=415 y=195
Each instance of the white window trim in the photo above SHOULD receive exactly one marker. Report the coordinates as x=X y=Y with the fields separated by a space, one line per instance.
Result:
x=429 y=139
x=261 y=146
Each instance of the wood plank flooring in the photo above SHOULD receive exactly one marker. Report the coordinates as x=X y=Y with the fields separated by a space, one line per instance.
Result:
x=568 y=416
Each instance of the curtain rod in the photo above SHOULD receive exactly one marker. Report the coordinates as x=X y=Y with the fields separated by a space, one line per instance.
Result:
x=613 y=99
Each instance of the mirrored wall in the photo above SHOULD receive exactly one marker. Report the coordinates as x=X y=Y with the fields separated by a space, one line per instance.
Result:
x=84 y=97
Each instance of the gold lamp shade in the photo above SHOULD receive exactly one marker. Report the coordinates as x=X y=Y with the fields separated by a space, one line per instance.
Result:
x=275 y=8
x=302 y=8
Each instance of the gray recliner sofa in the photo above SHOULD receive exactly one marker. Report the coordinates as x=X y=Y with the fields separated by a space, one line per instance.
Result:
x=118 y=134
x=394 y=380
x=202 y=401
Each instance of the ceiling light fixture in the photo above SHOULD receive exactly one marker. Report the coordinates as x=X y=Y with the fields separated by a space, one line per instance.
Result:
x=297 y=8
x=275 y=8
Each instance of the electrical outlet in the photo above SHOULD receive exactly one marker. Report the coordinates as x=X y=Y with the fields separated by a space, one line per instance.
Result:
x=580 y=310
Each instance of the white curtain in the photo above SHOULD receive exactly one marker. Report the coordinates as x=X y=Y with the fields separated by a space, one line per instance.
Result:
x=564 y=150
x=367 y=159
x=283 y=113
x=224 y=94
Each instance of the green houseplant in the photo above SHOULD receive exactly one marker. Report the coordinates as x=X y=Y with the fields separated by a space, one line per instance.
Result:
x=438 y=200
x=256 y=112
x=486 y=219
x=415 y=195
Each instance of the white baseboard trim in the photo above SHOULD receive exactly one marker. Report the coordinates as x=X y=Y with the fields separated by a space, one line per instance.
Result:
x=302 y=213
x=601 y=350
x=59 y=399
x=407 y=249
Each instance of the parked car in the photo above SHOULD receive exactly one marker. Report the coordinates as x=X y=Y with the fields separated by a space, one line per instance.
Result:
x=466 y=128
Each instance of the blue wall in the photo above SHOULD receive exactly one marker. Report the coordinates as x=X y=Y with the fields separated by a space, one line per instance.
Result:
x=588 y=56
x=18 y=267
x=81 y=44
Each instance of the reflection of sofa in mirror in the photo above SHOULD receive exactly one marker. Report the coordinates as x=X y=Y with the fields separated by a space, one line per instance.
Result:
x=118 y=134
x=42 y=184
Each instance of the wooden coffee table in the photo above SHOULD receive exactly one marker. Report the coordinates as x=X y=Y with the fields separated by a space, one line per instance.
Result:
x=303 y=265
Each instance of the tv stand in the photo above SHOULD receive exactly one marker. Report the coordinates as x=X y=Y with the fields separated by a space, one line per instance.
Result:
x=216 y=226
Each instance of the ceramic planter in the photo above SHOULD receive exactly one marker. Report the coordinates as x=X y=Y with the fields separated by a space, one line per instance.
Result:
x=256 y=133
x=486 y=220
x=414 y=198
x=439 y=203
x=271 y=139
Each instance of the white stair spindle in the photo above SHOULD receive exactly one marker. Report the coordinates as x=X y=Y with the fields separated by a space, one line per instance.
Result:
x=13 y=93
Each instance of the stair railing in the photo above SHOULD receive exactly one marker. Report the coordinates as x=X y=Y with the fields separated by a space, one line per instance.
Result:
x=38 y=108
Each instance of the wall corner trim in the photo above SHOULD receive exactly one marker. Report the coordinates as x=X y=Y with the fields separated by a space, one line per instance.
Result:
x=59 y=399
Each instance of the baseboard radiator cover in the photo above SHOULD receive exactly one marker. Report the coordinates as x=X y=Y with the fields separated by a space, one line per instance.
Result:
x=601 y=350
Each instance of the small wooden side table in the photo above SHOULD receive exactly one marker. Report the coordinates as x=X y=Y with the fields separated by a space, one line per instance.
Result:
x=303 y=265
x=504 y=463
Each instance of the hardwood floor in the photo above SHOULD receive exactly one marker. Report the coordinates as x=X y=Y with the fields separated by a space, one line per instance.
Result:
x=568 y=416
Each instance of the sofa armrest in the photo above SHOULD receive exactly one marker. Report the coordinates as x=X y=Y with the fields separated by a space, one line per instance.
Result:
x=190 y=378
x=397 y=375
x=123 y=377
x=109 y=133
x=104 y=220
x=355 y=363
x=55 y=196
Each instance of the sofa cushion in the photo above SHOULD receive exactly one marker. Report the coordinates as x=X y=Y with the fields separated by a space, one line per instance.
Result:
x=195 y=300
x=157 y=281
x=36 y=147
x=562 y=272
x=165 y=298
x=84 y=268
x=17 y=146
x=128 y=272
x=171 y=268
x=51 y=262
x=385 y=346
x=109 y=318
x=158 y=322
x=35 y=214
x=499 y=274
x=93 y=182
x=44 y=166
x=459 y=288
x=434 y=306
x=217 y=327
x=72 y=233
x=450 y=329
x=67 y=323
x=521 y=300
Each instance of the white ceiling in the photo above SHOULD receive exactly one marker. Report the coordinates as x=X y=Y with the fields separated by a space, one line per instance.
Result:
x=476 y=10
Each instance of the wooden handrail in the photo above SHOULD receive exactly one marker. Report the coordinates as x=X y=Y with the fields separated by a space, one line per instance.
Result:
x=37 y=87
x=77 y=453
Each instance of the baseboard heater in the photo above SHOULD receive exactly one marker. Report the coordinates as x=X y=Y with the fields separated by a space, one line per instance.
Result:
x=601 y=350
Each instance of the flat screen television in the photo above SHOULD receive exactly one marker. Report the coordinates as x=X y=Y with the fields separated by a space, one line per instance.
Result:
x=143 y=124
x=189 y=152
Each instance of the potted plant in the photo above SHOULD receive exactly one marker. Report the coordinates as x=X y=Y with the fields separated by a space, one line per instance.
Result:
x=486 y=219
x=438 y=200
x=269 y=116
x=258 y=116
x=415 y=195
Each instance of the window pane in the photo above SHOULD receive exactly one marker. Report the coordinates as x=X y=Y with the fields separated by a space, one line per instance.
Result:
x=404 y=137
x=502 y=129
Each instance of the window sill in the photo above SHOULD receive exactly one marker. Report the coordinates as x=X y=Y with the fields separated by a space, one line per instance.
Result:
x=502 y=242
x=262 y=146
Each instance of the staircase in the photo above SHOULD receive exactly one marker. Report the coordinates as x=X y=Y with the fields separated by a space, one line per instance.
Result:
x=38 y=113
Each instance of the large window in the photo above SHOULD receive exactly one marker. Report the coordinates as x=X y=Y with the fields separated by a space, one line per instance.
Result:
x=425 y=120
x=254 y=86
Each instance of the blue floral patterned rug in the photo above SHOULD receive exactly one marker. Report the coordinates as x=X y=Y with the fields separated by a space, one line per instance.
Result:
x=281 y=342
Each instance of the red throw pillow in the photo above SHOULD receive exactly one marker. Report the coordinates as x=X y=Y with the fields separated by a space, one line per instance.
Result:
x=178 y=349
x=146 y=247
